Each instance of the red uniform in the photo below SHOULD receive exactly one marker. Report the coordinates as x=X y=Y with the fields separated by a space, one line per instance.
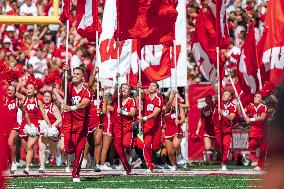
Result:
x=207 y=114
x=33 y=111
x=51 y=117
x=152 y=129
x=75 y=126
x=171 y=128
x=12 y=106
x=223 y=130
x=95 y=119
x=122 y=130
x=108 y=124
x=257 y=129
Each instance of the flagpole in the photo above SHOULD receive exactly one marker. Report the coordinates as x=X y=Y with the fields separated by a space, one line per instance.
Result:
x=66 y=61
x=97 y=75
x=219 y=80
x=117 y=77
x=139 y=80
x=175 y=63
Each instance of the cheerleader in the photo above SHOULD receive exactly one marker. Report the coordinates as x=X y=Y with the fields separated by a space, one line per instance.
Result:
x=13 y=105
x=49 y=135
x=173 y=130
x=30 y=133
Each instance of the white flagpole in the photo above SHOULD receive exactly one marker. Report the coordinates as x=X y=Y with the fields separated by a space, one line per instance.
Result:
x=98 y=79
x=219 y=82
x=259 y=78
x=66 y=62
x=139 y=80
x=118 y=63
x=175 y=63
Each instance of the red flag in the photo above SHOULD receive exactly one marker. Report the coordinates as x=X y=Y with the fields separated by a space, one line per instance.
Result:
x=65 y=15
x=271 y=46
x=87 y=19
x=152 y=20
x=247 y=72
x=205 y=43
x=221 y=22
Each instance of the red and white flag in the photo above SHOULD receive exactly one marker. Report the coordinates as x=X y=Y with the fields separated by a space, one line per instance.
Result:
x=210 y=31
x=247 y=65
x=65 y=15
x=271 y=45
x=151 y=21
x=87 y=19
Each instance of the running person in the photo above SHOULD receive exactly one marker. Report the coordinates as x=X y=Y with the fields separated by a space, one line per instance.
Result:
x=173 y=130
x=13 y=105
x=223 y=127
x=75 y=120
x=256 y=116
x=122 y=130
x=152 y=129
x=55 y=118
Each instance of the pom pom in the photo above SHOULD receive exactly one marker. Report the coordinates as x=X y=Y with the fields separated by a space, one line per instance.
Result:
x=36 y=82
x=267 y=89
x=31 y=130
x=52 y=77
x=53 y=133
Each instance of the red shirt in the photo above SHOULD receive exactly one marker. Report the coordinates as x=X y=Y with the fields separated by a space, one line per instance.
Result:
x=226 y=123
x=32 y=109
x=125 y=121
x=61 y=52
x=207 y=114
x=94 y=117
x=170 y=117
x=149 y=104
x=12 y=107
x=75 y=97
x=49 y=112
x=253 y=112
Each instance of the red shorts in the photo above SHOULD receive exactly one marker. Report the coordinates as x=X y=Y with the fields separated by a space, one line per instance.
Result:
x=21 y=130
x=173 y=130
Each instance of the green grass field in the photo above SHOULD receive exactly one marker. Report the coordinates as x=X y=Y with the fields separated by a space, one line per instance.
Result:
x=214 y=180
x=138 y=182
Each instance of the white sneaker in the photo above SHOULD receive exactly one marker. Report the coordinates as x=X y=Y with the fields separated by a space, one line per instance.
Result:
x=41 y=169
x=13 y=168
x=119 y=167
x=97 y=168
x=257 y=168
x=180 y=160
x=174 y=168
x=149 y=171
x=67 y=170
x=126 y=173
x=84 y=163
x=165 y=166
x=105 y=167
x=137 y=163
x=26 y=171
x=76 y=179
x=224 y=168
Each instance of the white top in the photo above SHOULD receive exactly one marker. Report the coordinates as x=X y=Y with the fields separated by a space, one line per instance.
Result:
x=24 y=9
x=39 y=66
x=75 y=62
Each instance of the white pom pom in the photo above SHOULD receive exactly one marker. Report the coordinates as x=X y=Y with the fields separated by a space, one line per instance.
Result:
x=53 y=133
x=31 y=130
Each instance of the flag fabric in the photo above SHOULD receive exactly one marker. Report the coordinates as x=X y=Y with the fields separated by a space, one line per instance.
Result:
x=87 y=19
x=108 y=49
x=144 y=21
x=65 y=15
x=271 y=45
x=221 y=23
x=157 y=61
x=247 y=64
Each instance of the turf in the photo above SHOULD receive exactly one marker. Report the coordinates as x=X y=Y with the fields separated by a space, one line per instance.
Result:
x=137 y=182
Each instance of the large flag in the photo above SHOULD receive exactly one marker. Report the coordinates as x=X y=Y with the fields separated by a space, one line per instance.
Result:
x=87 y=19
x=271 y=45
x=108 y=50
x=247 y=65
x=210 y=31
x=152 y=21
x=65 y=15
x=157 y=61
